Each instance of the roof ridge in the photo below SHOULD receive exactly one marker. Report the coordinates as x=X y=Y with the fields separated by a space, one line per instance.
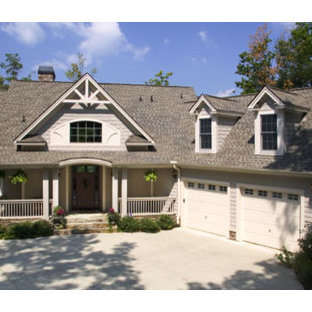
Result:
x=105 y=83
x=219 y=97
x=278 y=89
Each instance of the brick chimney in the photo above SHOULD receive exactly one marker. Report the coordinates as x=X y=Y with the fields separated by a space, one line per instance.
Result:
x=46 y=73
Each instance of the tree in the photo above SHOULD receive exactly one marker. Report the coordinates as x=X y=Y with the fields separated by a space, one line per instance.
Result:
x=78 y=69
x=256 y=64
x=294 y=57
x=12 y=67
x=160 y=79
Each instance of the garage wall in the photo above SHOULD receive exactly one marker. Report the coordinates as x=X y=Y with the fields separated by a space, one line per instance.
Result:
x=256 y=179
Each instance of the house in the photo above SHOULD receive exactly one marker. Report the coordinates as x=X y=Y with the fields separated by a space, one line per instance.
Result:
x=239 y=166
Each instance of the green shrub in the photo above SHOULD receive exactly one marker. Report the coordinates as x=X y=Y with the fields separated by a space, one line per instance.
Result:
x=166 y=222
x=42 y=228
x=303 y=269
x=3 y=230
x=306 y=244
x=149 y=226
x=20 y=230
x=129 y=224
x=29 y=230
x=286 y=258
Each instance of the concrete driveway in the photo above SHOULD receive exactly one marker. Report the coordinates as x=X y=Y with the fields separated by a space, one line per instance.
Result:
x=177 y=259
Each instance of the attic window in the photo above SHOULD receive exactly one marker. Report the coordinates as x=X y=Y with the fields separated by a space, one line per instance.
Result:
x=269 y=132
x=205 y=133
x=85 y=132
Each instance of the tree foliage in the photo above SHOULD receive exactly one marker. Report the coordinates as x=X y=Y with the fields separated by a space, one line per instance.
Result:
x=160 y=79
x=255 y=65
x=12 y=67
x=294 y=57
x=78 y=69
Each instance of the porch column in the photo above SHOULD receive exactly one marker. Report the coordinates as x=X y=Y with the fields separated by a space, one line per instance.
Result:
x=55 y=187
x=124 y=191
x=45 y=193
x=67 y=189
x=115 y=189
x=103 y=188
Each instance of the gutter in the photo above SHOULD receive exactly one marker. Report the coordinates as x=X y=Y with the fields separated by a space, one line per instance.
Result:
x=173 y=162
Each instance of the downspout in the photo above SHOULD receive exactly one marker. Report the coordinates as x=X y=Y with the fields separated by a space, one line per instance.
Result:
x=179 y=193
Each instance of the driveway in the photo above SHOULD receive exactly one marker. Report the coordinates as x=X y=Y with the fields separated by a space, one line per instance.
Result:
x=177 y=259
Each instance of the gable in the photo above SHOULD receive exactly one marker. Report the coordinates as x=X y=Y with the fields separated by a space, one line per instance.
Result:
x=87 y=94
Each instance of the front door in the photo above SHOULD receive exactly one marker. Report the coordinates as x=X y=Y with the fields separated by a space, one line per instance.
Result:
x=85 y=187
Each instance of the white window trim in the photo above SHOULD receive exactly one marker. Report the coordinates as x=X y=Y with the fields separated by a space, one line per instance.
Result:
x=214 y=137
x=280 y=133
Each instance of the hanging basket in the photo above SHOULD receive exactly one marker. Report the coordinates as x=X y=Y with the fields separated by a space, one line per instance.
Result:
x=150 y=176
x=19 y=177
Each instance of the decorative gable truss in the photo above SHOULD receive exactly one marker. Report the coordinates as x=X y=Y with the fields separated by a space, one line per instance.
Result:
x=85 y=93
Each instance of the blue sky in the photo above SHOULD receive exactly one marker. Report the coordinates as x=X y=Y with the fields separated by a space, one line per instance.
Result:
x=202 y=55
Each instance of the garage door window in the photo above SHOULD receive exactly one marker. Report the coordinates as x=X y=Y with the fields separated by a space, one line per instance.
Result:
x=223 y=188
x=211 y=187
x=190 y=184
x=201 y=186
x=262 y=193
x=277 y=195
x=293 y=197
x=248 y=191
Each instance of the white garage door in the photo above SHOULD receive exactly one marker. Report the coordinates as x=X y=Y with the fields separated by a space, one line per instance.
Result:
x=207 y=207
x=271 y=218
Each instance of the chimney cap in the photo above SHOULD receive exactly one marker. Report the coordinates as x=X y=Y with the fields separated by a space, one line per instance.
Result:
x=46 y=70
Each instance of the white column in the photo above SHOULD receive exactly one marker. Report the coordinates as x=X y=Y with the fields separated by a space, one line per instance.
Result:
x=55 y=187
x=67 y=188
x=124 y=191
x=45 y=193
x=103 y=188
x=115 y=189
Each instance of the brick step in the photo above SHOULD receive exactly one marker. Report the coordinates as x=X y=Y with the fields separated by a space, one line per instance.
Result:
x=85 y=230
x=75 y=225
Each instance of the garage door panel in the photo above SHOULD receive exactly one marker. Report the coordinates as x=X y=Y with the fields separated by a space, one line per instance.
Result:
x=208 y=210
x=269 y=221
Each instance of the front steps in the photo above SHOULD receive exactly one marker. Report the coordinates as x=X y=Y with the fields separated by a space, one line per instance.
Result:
x=86 y=223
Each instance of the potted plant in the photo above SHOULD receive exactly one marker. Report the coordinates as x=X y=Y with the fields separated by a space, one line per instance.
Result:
x=58 y=217
x=19 y=177
x=113 y=217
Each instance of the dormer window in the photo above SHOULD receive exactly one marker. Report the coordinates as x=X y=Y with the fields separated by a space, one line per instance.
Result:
x=205 y=133
x=269 y=132
x=85 y=132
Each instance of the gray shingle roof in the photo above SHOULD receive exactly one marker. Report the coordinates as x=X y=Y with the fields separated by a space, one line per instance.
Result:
x=166 y=120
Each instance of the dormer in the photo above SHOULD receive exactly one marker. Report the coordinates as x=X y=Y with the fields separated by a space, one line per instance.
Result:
x=272 y=109
x=214 y=118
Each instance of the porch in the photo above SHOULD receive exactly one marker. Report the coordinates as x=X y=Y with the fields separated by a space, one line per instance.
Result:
x=88 y=187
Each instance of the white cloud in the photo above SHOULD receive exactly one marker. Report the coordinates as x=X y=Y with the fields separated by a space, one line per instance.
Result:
x=28 y=33
x=199 y=60
x=166 y=41
x=203 y=35
x=224 y=93
x=100 y=39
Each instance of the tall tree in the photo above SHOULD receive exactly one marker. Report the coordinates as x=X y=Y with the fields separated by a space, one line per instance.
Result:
x=255 y=65
x=78 y=69
x=12 y=67
x=294 y=57
x=160 y=79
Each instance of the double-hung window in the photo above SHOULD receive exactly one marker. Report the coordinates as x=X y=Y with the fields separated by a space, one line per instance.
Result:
x=269 y=132
x=205 y=133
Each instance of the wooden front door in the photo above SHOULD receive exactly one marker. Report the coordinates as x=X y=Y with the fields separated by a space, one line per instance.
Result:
x=85 y=187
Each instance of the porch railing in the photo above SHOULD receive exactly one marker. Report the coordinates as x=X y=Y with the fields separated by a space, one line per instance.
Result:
x=139 y=206
x=22 y=208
